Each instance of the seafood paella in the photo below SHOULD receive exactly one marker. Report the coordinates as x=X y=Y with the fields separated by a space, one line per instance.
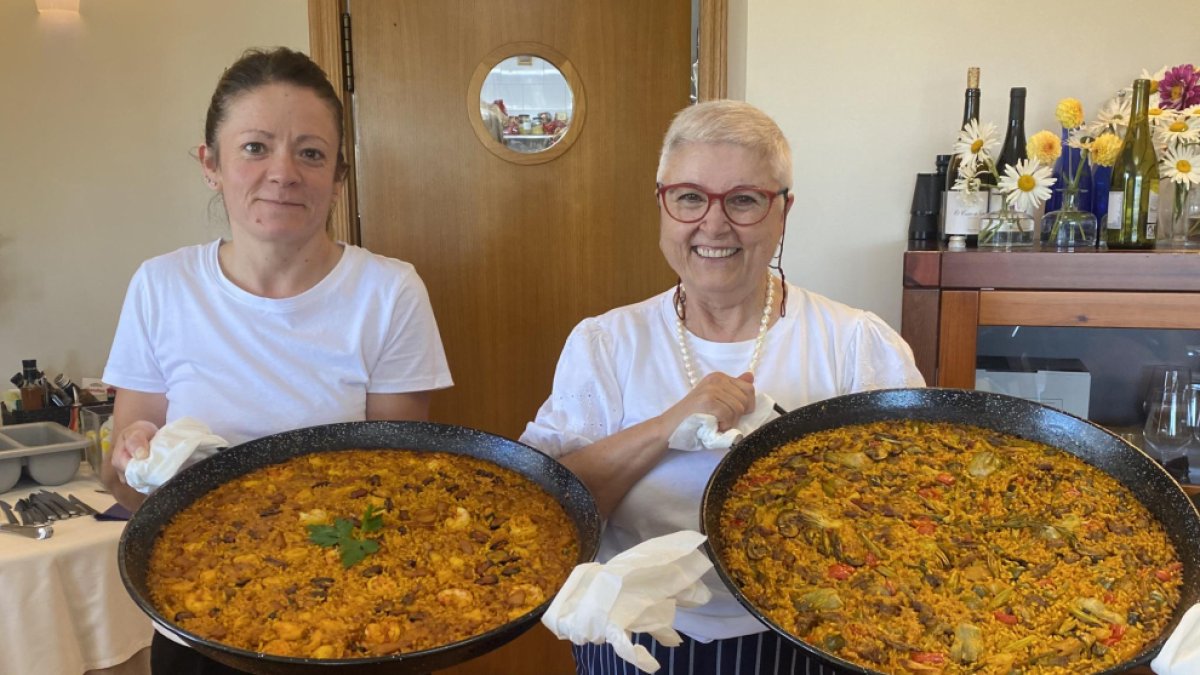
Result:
x=908 y=546
x=361 y=553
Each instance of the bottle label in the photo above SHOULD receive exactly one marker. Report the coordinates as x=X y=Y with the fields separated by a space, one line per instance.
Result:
x=962 y=211
x=1116 y=205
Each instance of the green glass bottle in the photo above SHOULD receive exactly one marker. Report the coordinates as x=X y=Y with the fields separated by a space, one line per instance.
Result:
x=1133 y=193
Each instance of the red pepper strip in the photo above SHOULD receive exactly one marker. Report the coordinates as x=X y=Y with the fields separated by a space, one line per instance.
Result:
x=1117 y=632
x=1163 y=575
x=936 y=658
x=840 y=571
x=1004 y=617
x=945 y=479
x=758 y=480
x=930 y=493
x=925 y=527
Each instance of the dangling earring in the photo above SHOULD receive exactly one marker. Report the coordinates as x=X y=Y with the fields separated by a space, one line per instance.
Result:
x=777 y=265
x=680 y=300
x=211 y=182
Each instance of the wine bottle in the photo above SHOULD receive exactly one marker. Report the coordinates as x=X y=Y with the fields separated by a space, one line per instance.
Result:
x=1133 y=190
x=1013 y=149
x=960 y=213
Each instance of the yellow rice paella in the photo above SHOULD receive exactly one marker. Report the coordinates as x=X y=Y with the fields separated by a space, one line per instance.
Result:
x=361 y=553
x=907 y=546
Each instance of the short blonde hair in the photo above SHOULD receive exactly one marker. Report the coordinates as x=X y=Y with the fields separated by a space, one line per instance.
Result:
x=734 y=122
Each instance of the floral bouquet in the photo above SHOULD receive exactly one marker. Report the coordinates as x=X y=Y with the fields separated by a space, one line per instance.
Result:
x=1024 y=186
x=1175 y=123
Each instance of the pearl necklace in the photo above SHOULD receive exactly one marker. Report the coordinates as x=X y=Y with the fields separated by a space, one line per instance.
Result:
x=681 y=336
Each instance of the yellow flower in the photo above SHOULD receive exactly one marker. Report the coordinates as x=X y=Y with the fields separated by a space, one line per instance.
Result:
x=1105 y=149
x=1069 y=113
x=1044 y=146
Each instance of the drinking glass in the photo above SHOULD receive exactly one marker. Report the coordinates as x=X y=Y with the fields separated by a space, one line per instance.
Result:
x=1169 y=427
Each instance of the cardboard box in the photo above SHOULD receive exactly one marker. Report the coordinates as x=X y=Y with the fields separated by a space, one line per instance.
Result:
x=1065 y=384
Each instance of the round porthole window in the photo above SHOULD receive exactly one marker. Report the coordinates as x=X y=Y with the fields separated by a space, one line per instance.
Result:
x=526 y=103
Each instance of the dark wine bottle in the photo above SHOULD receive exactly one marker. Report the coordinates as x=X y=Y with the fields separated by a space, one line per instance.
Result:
x=960 y=213
x=1133 y=191
x=1013 y=149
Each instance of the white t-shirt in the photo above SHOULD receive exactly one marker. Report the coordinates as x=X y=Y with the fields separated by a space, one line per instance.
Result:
x=250 y=366
x=624 y=367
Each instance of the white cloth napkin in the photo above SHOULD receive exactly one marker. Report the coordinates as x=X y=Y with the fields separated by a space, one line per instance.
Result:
x=634 y=592
x=183 y=442
x=699 y=431
x=1180 y=654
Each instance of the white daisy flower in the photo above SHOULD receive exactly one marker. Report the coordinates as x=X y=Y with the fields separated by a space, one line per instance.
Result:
x=1182 y=165
x=1114 y=117
x=1181 y=129
x=1026 y=185
x=1078 y=138
x=1160 y=116
x=968 y=181
x=976 y=141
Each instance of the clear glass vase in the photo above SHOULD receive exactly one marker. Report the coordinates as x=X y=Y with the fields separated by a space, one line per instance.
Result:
x=1071 y=227
x=1006 y=229
x=1187 y=214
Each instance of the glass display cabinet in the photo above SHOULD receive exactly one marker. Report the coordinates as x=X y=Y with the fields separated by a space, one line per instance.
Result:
x=1083 y=331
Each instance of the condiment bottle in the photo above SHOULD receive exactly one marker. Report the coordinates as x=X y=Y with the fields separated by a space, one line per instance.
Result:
x=33 y=397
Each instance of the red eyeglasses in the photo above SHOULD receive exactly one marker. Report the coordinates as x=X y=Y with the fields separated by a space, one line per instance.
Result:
x=689 y=203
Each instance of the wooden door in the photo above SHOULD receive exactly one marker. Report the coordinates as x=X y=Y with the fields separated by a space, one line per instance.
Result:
x=514 y=255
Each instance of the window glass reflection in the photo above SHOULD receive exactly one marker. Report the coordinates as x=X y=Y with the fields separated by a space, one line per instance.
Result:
x=526 y=103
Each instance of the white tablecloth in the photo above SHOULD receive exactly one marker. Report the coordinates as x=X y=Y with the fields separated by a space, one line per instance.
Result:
x=63 y=608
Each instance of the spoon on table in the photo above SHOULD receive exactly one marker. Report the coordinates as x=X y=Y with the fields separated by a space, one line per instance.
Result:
x=31 y=531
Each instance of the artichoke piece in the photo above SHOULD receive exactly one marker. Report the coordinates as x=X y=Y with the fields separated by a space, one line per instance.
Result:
x=817 y=600
x=1094 y=613
x=968 y=643
x=850 y=460
x=983 y=464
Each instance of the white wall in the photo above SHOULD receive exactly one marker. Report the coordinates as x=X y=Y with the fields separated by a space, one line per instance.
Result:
x=100 y=114
x=98 y=118
x=869 y=92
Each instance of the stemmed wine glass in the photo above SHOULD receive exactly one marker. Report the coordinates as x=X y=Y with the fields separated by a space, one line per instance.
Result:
x=1169 y=418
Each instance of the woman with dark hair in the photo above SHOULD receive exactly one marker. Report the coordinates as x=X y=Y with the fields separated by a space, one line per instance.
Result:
x=278 y=326
x=731 y=328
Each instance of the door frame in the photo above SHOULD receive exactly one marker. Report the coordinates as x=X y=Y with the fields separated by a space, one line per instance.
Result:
x=325 y=47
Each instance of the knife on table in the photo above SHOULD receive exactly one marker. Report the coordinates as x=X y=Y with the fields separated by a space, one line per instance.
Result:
x=72 y=509
x=55 y=499
x=36 y=515
x=22 y=510
x=47 y=515
x=45 y=503
x=82 y=505
x=8 y=512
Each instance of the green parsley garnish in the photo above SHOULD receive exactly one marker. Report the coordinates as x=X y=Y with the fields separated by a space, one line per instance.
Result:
x=352 y=542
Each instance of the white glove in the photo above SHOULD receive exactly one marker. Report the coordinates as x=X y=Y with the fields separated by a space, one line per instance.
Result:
x=177 y=445
x=699 y=431
x=1180 y=654
x=635 y=592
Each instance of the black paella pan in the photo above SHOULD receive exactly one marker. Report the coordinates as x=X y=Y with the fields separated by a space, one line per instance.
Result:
x=1143 y=476
x=138 y=539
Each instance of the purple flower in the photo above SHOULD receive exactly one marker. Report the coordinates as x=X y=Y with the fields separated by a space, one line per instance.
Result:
x=1179 y=87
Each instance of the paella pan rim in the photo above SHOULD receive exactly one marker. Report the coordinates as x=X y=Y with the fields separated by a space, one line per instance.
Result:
x=1150 y=483
x=137 y=539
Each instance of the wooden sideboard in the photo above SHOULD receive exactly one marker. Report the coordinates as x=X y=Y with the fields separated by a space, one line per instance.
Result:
x=949 y=295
